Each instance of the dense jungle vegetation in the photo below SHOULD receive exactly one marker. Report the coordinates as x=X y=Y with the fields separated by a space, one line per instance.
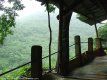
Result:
x=33 y=30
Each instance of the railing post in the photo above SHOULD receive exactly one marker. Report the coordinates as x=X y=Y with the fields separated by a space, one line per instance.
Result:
x=98 y=43
x=100 y=51
x=106 y=44
x=90 y=49
x=36 y=62
x=78 y=49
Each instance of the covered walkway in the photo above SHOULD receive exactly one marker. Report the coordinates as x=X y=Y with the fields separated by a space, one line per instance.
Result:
x=97 y=70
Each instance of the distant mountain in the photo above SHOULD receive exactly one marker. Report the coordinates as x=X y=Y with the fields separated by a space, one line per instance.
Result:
x=38 y=22
x=33 y=30
x=76 y=27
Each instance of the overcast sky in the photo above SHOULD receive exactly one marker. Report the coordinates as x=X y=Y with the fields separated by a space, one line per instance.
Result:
x=31 y=6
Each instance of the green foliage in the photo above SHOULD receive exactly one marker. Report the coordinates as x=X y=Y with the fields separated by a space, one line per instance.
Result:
x=51 y=7
x=17 y=73
x=103 y=35
x=103 y=31
x=6 y=22
x=7 y=19
x=85 y=19
x=33 y=30
x=105 y=51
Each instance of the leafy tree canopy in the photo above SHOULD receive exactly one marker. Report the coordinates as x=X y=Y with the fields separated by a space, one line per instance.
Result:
x=9 y=12
x=85 y=19
x=51 y=7
x=7 y=18
x=103 y=32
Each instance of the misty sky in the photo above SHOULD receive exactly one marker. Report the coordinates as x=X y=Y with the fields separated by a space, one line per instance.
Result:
x=31 y=6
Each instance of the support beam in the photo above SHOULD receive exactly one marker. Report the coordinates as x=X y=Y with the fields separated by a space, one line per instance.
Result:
x=99 y=2
x=93 y=18
x=99 y=49
x=97 y=36
x=63 y=44
x=95 y=24
x=98 y=43
x=71 y=7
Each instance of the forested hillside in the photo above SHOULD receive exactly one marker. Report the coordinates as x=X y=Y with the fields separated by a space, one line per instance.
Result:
x=33 y=30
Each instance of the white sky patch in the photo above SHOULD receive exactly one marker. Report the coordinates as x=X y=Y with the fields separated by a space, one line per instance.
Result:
x=105 y=21
x=7 y=4
x=31 y=6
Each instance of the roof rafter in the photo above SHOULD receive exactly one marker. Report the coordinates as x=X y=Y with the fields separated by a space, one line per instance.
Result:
x=89 y=9
x=71 y=7
x=99 y=3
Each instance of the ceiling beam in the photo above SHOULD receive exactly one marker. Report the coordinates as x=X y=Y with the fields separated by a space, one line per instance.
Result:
x=100 y=4
x=68 y=10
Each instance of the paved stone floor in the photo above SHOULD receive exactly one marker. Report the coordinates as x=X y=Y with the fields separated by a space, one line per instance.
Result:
x=97 y=70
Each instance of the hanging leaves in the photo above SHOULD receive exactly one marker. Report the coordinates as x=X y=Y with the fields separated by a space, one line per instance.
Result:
x=51 y=7
x=6 y=22
x=85 y=19
x=7 y=19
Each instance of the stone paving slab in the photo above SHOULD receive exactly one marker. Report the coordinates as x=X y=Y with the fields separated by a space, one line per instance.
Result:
x=97 y=70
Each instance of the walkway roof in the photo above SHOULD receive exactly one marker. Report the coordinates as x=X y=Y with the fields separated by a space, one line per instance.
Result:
x=93 y=10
